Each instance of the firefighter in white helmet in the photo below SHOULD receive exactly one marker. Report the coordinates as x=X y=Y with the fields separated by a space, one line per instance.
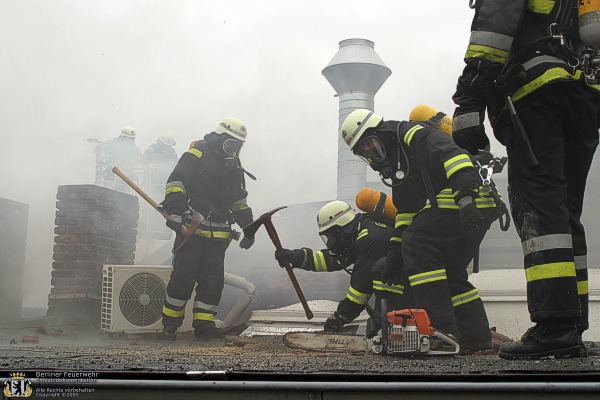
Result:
x=352 y=239
x=161 y=153
x=123 y=153
x=208 y=180
x=443 y=212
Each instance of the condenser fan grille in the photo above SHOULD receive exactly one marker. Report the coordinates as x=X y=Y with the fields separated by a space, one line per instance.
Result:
x=141 y=299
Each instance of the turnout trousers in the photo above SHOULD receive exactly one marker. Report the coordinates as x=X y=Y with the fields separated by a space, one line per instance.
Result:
x=561 y=123
x=199 y=263
x=436 y=252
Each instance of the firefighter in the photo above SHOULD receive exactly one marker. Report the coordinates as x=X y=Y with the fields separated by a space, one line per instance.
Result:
x=161 y=153
x=351 y=238
x=442 y=215
x=121 y=152
x=525 y=62
x=207 y=182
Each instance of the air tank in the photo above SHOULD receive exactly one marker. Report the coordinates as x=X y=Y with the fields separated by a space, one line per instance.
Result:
x=589 y=23
x=356 y=73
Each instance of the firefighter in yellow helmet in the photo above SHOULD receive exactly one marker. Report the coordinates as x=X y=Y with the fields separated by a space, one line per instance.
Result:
x=527 y=64
x=357 y=240
x=443 y=213
x=207 y=181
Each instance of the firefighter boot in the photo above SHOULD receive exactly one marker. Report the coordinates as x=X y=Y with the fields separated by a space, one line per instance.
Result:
x=207 y=330
x=546 y=339
x=169 y=333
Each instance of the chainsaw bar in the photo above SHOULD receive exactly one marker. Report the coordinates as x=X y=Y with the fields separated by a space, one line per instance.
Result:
x=326 y=342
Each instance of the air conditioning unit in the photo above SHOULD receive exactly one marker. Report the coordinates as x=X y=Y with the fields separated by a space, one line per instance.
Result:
x=132 y=299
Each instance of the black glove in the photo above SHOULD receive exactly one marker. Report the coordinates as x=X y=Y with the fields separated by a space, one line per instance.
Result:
x=470 y=217
x=392 y=268
x=333 y=324
x=174 y=222
x=469 y=134
x=247 y=242
x=294 y=257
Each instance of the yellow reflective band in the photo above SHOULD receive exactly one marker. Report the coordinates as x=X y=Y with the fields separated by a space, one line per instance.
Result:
x=195 y=152
x=382 y=287
x=409 y=135
x=395 y=239
x=486 y=52
x=549 y=271
x=464 y=298
x=239 y=207
x=212 y=234
x=356 y=296
x=456 y=163
x=403 y=219
x=540 y=6
x=547 y=77
x=582 y=288
x=319 y=261
x=174 y=189
x=173 y=313
x=362 y=234
x=426 y=277
x=201 y=316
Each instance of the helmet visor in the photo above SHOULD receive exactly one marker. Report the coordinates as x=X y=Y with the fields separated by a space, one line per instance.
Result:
x=232 y=147
x=370 y=150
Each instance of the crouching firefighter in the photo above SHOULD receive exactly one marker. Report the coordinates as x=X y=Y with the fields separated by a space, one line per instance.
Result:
x=206 y=193
x=352 y=239
x=443 y=213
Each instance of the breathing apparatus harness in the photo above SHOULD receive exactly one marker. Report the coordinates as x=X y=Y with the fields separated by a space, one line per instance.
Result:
x=399 y=175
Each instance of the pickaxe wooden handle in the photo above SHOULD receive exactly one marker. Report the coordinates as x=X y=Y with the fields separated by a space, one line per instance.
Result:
x=265 y=220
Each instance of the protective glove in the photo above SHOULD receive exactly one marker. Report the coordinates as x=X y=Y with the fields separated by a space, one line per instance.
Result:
x=470 y=217
x=174 y=222
x=392 y=267
x=333 y=323
x=247 y=242
x=468 y=131
x=294 y=257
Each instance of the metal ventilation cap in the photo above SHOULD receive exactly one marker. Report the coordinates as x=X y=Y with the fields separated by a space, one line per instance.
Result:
x=356 y=67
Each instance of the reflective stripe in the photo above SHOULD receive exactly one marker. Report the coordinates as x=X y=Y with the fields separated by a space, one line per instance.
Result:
x=582 y=288
x=200 y=316
x=240 y=205
x=535 y=61
x=175 y=302
x=205 y=306
x=547 y=242
x=212 y=234
x=214 y=225
x=334 y=218
x=362 y=234
x=173 y=313
x=356 y=296
x=319 y=261
x=551 y=75
x=540 y=6
x=492 y=39
x=195 y=152
x=305 y=258
x=409 y=135
x=580 y=262
x=464 y=121
x=379 y=285
x=175 y=186
x=395 y=239
x=425 y=277
x=464 y=298
x=457 y=163
x=487 y=53
x=549 y=271
x=403 y=219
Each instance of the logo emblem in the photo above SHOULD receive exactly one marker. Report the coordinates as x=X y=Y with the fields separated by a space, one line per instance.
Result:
x=17 y=386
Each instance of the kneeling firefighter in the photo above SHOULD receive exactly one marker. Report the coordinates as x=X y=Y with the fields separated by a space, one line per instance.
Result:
x=359 y=239
x=443 y=213
x=206 y=192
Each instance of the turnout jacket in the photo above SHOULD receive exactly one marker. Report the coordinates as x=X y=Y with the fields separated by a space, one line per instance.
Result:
x=369 y=243
x=203 y=180
x=507 y=32
x=433 y=156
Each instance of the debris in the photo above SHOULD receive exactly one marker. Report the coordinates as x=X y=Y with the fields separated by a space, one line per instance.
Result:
x=30 y=339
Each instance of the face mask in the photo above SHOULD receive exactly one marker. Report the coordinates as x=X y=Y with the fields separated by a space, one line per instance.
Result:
x=232 y=147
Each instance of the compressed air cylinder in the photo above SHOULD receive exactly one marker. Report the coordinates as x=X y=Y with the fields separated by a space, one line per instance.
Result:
x=375 y=202
x=589 y=23
x=424 y=113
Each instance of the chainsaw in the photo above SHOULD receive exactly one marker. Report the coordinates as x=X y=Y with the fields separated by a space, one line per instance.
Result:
x=409 y=332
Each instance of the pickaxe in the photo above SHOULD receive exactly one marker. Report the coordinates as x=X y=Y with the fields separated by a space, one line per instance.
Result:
x=265 y=220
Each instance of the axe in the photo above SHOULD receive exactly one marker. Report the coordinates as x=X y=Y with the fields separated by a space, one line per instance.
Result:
x=265 y=220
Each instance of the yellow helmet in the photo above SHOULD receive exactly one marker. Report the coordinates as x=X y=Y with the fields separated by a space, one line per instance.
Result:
x=233 y=127
x=334 y=213
x=356 y=123
x=128 y=132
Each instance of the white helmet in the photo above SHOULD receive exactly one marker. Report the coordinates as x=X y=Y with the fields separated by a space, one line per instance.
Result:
x=334 y=213
x=128 y=132
x=233 y=127
x=167 y=138
x=356 y=123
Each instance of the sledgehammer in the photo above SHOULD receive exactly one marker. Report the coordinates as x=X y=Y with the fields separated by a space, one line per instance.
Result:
x=265 y=220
